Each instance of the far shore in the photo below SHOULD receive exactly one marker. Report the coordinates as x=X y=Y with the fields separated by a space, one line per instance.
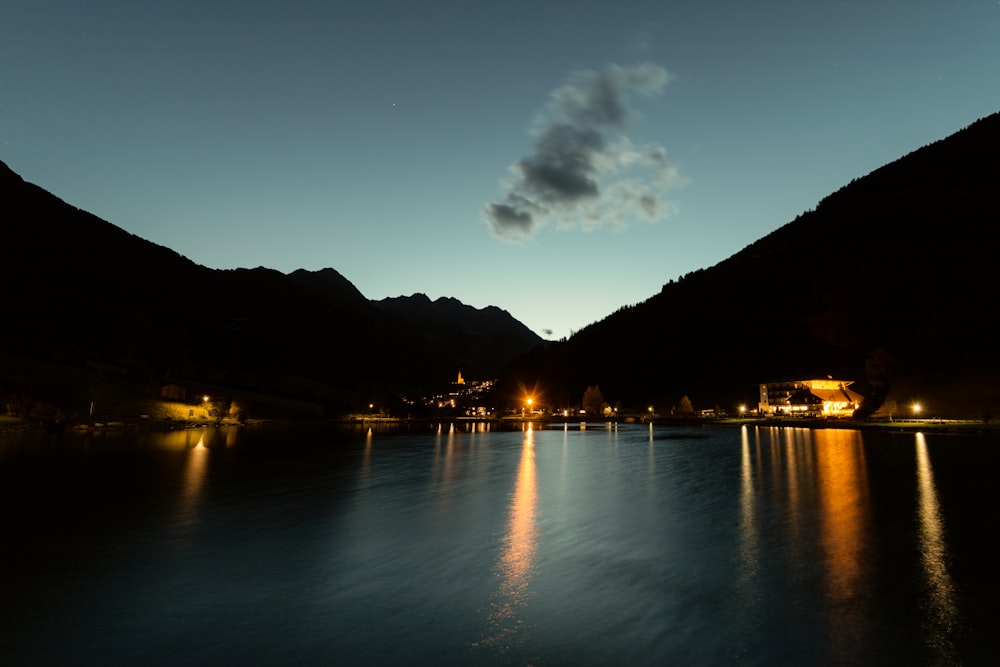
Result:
x=903 y=425
x=976 y=427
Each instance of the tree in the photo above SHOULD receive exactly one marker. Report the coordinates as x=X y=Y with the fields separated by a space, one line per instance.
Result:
x=684 y=407
x=593 y=401
x=218 y=409
x=890 y=407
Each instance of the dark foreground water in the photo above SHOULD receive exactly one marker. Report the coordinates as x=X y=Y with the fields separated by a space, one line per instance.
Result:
x=597 y=546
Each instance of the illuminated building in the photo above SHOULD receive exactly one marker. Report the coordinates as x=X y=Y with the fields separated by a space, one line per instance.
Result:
x=812 y=398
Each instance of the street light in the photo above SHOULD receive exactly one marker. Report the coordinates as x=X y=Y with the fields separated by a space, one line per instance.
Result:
x=916 y=409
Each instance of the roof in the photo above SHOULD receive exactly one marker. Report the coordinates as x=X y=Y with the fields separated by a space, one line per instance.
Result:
x=837 y=395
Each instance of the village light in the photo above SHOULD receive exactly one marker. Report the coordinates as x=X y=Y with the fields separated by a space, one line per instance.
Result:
x=916 y=408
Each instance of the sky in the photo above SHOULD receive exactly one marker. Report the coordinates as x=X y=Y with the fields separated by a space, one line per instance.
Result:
x=558 y=160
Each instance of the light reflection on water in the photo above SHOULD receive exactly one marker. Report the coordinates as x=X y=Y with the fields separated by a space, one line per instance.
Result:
x=457 y=544
x=816 y=485
x=942 y=618
x=748 y=524
x=845 y=537
x=515 y=567
x=195 y=469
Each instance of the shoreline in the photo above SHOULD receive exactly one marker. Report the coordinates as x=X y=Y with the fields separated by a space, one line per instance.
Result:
x=959 y=426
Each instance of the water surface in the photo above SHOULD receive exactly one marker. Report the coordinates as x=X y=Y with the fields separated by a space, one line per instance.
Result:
x=441 y=544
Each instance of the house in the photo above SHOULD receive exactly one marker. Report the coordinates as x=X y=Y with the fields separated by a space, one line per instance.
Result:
x=809 y=398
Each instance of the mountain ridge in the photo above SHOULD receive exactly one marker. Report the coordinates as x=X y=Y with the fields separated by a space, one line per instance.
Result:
x=92 y=295
x=888 y=281
x=483 y=339
x=870 y=286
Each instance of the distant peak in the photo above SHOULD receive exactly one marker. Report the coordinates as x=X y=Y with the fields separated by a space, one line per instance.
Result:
x=319 y=272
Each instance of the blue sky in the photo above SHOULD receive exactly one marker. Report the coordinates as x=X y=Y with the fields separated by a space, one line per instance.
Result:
x=555 y=159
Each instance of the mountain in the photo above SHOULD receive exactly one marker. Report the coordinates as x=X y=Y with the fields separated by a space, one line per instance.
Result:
x=330 y=286
x=483 y=340
x=85 y=294
x=890 y=282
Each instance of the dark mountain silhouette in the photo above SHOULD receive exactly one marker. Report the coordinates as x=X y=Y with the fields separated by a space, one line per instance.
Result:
x=890 y=281
x=82 y=292
x=483 y=340
x=329 y=285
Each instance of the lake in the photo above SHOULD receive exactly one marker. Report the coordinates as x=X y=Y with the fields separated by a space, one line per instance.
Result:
x=594 y=544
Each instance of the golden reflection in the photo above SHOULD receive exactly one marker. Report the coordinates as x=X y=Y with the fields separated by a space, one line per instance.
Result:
x=436 y=467
x=366 y=461
x=942 y=618
x=195 y=470
x=844 y=528
x=444 y=462
x=748 y=523
x=368 y=448
x=651 y=462
x=516 y=563
x=774 y=456
x=792 y=469
x=844 y=498
x=449 y=452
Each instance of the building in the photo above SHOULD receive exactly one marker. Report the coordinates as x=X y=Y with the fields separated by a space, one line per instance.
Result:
x=469 y=396
x=809 y=398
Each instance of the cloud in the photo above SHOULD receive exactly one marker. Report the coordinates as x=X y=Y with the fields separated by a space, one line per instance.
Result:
x=584 y=171
x=510 y=218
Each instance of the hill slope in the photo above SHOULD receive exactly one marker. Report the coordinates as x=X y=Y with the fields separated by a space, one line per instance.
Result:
x=890 y=281
x=85 y=293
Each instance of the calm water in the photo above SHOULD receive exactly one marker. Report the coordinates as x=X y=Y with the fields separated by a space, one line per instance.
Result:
x=601 y=545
